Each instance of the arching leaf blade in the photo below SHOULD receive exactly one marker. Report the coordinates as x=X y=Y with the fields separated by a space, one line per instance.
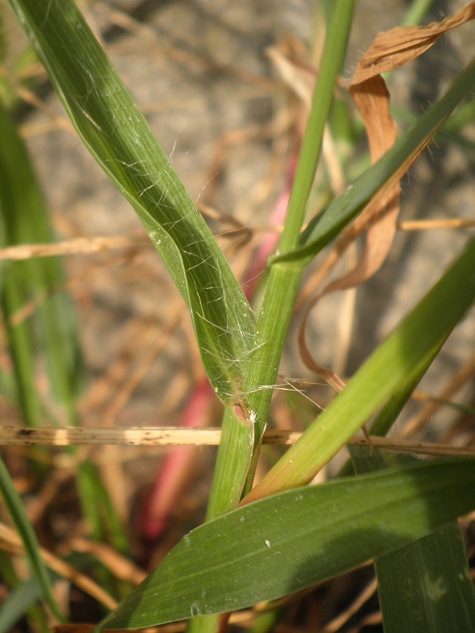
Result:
x=117 y=135
x=295 y=539
x=325 y=226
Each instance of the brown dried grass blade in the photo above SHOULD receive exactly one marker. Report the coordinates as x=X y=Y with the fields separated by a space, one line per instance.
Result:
x=389 y=50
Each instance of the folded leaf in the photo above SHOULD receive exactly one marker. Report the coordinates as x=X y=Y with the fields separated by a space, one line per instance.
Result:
x=117 y=135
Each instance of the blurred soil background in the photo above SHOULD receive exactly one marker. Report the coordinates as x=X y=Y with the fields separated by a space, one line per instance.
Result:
x=201 y=72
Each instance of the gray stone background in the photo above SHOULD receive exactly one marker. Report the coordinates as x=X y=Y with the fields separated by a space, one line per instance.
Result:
x=199 y=71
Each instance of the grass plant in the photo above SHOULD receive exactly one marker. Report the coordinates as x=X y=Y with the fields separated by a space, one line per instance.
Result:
x=264 y=542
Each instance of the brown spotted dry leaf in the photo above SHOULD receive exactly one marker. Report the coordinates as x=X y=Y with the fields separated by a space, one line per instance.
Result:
x=388 y=51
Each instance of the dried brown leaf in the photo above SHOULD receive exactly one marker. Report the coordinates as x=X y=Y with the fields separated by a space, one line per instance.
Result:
x=389 y=50
x=402 y=44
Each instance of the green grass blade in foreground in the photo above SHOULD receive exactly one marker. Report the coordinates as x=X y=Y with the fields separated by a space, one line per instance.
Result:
x=15 y=507
x=393 y=365
x=395 y=404
x=425 y=587
x=117 y=135
x=326 y=225
x=298 y=538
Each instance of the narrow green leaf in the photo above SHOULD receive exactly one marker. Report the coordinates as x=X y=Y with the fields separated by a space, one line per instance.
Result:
x=16 y=193
x=17 y=604
x=15 y=508
x=21 y=349
x=393 y=407
x=326 y=225
x=336 y=39
x=239 y=446
x=394 y=364
x=426 y=587
x=293 y=540
x=284 y=280
x=117 y=135
x=416 y=12
x=51 y=330
x=49 y=337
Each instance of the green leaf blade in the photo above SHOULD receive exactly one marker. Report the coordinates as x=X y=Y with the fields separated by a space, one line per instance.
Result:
x=325 y=226
x=394 y=364
x=17 y=512
x=117 y=135
x=51 y=330
x=293 y=540
x=426 y=586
